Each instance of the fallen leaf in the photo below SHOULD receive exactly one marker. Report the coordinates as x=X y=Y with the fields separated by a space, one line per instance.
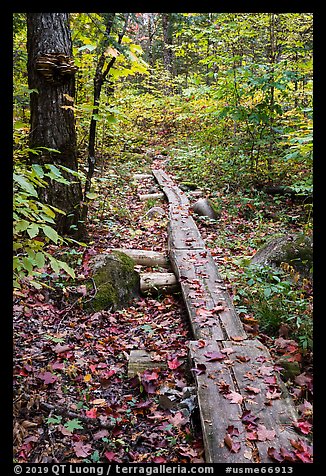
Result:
x=232 y=430
x=92 y=413
x=303 y=426
x=252 y=389
x=214 y=356
x=265 y=370
x=98 y=401
x=47 y=377
x=82 y=450
x=237 y=338
x=178 y=420
x=100 y=434
x=273 y=394
x=110 y=456
x=242 y=358
x=227 y=350
x=201 y=343
x=234 y=397
x=275 y=455
x=233 y=446
x=174 y=364
x=263 y=434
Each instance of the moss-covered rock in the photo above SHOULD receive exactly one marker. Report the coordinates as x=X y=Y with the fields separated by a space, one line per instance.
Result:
x=188 y=186
x=205 y=207
x=296 y=250
x=116 y=281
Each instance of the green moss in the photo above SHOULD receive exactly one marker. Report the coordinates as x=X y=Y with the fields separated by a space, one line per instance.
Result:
x=188 y=185
x=217 y=208
x=127 y=262
x=116 y=281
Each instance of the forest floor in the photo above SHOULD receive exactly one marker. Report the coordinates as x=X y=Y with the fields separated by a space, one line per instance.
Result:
x=74 y=401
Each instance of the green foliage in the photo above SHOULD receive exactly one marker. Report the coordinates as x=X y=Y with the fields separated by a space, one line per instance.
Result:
x=276 y=297
x=34 y=224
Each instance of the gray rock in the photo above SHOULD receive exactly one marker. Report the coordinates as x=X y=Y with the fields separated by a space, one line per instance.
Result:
x=205 y=207
x=296 y=250
x=158 y=211
x=116 y=281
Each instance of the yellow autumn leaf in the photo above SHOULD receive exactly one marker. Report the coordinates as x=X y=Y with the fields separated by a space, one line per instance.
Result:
x=87 y=378
x=69 y=98
x=112 y=52
x=98 y=401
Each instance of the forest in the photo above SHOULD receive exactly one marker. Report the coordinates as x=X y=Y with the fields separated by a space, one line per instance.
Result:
x=162 y=238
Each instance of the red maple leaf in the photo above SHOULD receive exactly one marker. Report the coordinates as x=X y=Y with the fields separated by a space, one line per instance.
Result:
x=214 y=356
x=174 y=364
x=82 y=450
x=92 y=413
x=303 y=426
x=47 y=377
x=263 y=434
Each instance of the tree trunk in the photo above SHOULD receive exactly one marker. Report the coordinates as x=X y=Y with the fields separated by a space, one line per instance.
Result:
x=51 y=72
x=167 y=43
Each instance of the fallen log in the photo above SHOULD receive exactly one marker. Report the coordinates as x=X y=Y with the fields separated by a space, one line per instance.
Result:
x=146 y=257
x=163 y=282
x=151 y=196
x=142 y=176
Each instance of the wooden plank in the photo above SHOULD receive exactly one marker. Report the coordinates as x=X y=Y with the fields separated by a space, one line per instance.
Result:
x=183 y=233
x=146 y=257
x=157 y=281
x=203 y=289
x=253 y=366
x=216 y=412
x=244 y=368
x=141 y=360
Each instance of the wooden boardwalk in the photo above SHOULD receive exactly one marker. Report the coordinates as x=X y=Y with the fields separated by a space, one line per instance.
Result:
x=245 y=409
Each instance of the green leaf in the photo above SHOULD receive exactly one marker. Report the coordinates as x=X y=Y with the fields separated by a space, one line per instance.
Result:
x=91 y=196
x=54 y=264
x=25 y=184
x=19 y=125
x=27 y=263
x=21 y=225
x=67 y=269
x=38 y=170
x=50 y=233
x=55 y=420
x=74 y=424
x=33 y=230
x=39 y=260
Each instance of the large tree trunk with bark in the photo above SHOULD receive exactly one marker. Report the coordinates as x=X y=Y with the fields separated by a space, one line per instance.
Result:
x=167 y=27
x=51 y=72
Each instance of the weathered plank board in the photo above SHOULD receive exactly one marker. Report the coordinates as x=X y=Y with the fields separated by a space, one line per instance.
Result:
x=203 y=290
x=240 y=392
x=183 y=233
x=141 y=360
x=216 y=412
x=253 y=367
x=244 y=370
